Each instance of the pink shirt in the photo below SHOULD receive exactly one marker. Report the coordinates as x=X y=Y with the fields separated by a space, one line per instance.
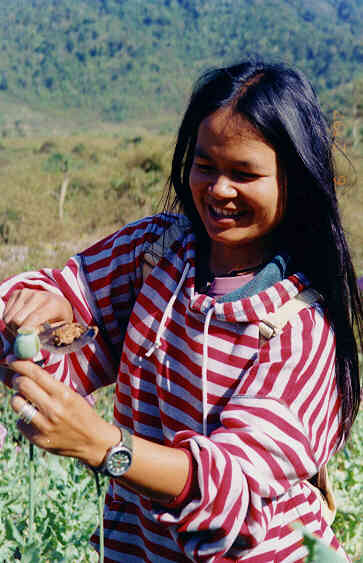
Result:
x=222 y=286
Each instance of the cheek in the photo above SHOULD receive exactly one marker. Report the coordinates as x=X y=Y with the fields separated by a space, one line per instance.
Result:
x=268 y=207
x=273 y=202
x=194 y=181
x=195 y=187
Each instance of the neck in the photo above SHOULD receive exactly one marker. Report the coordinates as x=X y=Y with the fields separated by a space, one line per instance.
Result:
x=241 y=271
x=224 y=261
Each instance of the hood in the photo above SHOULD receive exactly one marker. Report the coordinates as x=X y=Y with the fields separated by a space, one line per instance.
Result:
x=265 y=293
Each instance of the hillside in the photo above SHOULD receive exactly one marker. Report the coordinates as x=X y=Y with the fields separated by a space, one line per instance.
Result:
x=122 y=59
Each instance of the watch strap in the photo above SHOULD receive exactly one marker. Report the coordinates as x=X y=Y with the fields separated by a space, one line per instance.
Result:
x=126 y=439
x=125 y=442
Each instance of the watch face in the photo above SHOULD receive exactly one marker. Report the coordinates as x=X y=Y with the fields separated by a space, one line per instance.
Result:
x=118 y=463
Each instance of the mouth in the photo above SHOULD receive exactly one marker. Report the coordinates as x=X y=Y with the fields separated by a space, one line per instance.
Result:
x=218 y=213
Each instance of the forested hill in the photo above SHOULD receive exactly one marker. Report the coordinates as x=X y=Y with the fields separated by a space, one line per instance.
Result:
x=128 y=58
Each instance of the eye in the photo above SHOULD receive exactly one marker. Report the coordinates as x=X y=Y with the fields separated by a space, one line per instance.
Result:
x=204 y=168
x=240 y=175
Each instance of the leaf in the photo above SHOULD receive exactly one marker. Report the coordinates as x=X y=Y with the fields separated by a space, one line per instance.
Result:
x=87 y=513
x=12 y=533
x=5 y=553
x=31 y=554
x=57 y=470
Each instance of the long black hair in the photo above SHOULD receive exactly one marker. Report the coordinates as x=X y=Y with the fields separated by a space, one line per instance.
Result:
x=282 y=105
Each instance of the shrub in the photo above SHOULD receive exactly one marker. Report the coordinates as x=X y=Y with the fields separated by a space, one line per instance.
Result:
x=8 y=222
x=46 y=148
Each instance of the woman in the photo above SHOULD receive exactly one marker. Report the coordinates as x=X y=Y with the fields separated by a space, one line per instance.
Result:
x=215 y=431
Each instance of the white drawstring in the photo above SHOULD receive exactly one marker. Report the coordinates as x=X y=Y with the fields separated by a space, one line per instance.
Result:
x=166 y=313
x=157 y=344
x=204 y=370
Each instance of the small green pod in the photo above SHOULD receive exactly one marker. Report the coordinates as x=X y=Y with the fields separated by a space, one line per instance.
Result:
x=27 y=344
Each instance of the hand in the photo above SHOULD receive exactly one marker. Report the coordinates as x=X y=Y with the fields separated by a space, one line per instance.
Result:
x=65 y=423
x=29 y=308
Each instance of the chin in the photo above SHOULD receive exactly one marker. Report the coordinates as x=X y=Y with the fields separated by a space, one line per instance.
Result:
x=232 y=240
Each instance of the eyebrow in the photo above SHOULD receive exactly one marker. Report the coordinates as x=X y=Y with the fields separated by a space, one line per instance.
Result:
x=200 y=153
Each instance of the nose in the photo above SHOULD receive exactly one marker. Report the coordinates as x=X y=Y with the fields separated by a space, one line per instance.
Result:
x=222 y=188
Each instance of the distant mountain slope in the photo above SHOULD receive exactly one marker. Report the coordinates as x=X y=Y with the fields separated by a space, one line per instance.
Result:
x=127 y=58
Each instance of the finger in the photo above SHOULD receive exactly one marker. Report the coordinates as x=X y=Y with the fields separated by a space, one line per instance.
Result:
x=31 y=308
x=35 y=311
x=9 y=307
x=38 y=421
x=39 y=376
x=14 y=304
x=35 y=435
x=32 y=392
x=20 y=306
x=45 y=307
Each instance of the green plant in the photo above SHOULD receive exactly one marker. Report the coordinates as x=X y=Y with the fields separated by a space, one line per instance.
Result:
x=78 y=186
x=56 y=162
x=80 y=149
x=53 y=523
x=151 y=164
x=120 y=187
x=9 y=220
x=46 y=148
x=347 y=475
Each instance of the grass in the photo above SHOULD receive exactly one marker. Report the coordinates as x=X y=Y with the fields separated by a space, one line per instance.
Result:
x=112 y=180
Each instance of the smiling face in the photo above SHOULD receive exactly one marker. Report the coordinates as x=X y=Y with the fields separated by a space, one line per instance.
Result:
x=237 y=189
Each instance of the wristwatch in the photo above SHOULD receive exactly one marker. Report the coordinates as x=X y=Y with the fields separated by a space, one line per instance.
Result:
x=118 y=458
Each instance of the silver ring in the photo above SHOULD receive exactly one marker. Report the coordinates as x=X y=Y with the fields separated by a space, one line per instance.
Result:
x=27 y=413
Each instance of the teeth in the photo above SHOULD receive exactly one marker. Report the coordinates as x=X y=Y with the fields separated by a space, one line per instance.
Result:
x=225 y=212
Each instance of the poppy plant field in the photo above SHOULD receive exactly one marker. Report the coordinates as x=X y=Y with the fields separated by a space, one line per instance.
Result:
x=64 y=496
x=65 y=499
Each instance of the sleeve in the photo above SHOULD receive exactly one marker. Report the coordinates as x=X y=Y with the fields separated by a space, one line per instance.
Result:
x=92 y=367
x=277 y=429
x=101 y=284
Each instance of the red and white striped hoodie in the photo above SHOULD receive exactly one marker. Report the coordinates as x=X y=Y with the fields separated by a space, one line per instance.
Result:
x=257 y=420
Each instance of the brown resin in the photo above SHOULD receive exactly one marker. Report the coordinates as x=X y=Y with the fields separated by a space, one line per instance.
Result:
x=67 y=333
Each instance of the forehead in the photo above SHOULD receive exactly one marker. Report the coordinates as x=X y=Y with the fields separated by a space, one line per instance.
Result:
x=229 y=134
x=229 y=126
